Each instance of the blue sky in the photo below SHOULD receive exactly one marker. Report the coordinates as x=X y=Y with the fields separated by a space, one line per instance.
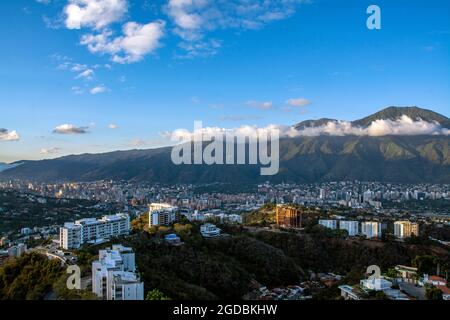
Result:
x=74 y=79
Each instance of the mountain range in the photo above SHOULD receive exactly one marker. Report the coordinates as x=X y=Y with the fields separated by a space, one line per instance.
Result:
x=325 y=157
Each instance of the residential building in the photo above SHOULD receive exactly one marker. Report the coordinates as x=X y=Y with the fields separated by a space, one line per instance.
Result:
x=114 y=275
x=172 y=239
x=25 y=231
x=377 y=284
x=288 y=217
x=350 y=293
x=371 y=229
x=70 y=236
x=331 y=224
x=209 y=230
x=406 y=273
x=91 y=230
x=352 y=227
x=18 y=250
x=162 y=214
x=406 y=229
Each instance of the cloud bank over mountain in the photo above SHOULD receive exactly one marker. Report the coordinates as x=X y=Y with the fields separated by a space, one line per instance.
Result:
x=403 y=126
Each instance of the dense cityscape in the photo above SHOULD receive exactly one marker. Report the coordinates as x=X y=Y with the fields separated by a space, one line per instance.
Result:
x=211 y=159
x=98 y=212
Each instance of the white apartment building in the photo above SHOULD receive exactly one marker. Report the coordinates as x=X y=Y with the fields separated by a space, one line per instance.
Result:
x=17 y=251
x=378 y=284
x=371 y=229
x=114 y=275
x=405 y=229
x=209 y=230
x=331 y=224
x=91 y=230
x=162 y=214
x=352 y=227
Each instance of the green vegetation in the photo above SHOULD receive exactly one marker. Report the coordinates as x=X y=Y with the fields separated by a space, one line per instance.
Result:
x=425 y=264
x=322 y=253
x=433 y=293
x=156 y=295
x=29 y=277
x=63 y=293
x=262 y=217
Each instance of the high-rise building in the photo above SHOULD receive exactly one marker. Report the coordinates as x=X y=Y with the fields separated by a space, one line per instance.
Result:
x=114 y=275
x=91 y=230
x=352 y=227
x=330 y=224
x=17 y=251
x=371 y=229
x=289 y=217
x=405 y=229
x=162 y=214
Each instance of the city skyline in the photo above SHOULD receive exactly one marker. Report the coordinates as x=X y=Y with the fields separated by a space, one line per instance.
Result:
x=96 y=87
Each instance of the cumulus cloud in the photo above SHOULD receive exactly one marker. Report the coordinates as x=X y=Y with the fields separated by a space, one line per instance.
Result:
x=191 y=21
x=95 y=14
x=6 y=135
x=194 y=18
x=113 y=126
x=401 y=126
x=70 y=129
x=98 y=89
x=298 y=102
x=137 y=41
x=87 y=74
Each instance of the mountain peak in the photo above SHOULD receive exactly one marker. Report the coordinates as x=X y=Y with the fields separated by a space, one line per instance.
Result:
x=394 y=113
x=389 y=113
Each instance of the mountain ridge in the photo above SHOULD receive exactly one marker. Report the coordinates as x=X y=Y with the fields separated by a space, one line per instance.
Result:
x=418 y=158
x=389 y=113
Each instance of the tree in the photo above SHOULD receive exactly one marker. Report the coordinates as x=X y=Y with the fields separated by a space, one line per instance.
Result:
x=433 y=293
x=380 y=295
x=64 y=293
x=155 y=294
x=425 y=264
x=392 y=273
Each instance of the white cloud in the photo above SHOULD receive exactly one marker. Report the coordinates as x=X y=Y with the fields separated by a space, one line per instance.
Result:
x=193 y=19
x=95 y=14
x=137 y=41
x=401 y=126
x=266 y=105
x=98 y=90
x=50 y=150
x=77 y=90
x=87 y=74
x=113 y=126
x=70 y=129
x=6 y=135
x=298 y=102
